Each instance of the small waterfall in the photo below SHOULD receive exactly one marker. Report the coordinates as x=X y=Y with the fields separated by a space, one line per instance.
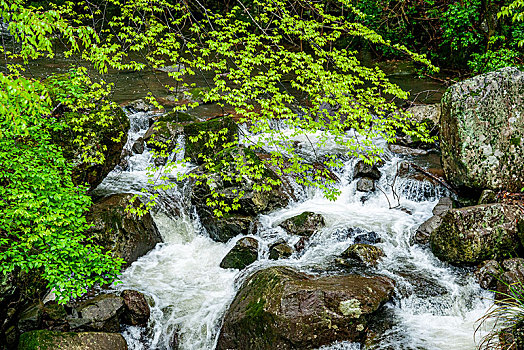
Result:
x=435 y=305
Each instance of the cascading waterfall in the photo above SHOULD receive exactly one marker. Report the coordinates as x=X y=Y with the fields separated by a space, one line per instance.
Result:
x=435 y=305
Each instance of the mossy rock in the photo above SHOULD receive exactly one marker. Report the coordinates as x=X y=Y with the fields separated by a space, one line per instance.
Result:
x=106 y=138
x=363 y=253
x=470 y=235
x=304 y=224
x=127 y=235
x=281 y=308
x=197 y=150
x=49 y=340
x=162 y=135
x=482 y=131
x=243 y=254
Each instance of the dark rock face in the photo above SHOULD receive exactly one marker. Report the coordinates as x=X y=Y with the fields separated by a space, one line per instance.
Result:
x=43 y=339
x=138 y=146
x=482 y=131
x=488 y=274
x=125 y=234
x=280 y=250
x=424 y=231
x=162 y=135
x=100 y=138
x=243 y=254
x=365 y=170
x=366 y=184
x=280 y=308
x=510 y=282
x=18 y=290
x=305 y=224
x=252 y=203
x=101 y=313
x=136 y=309
x=363 y=253
x=473 y=234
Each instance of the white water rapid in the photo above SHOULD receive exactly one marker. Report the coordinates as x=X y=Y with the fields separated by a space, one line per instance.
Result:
x=435 y=305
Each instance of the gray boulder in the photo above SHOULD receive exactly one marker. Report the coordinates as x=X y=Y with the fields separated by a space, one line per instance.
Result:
x=101 y=313
x=482 y=131
x=424 y=231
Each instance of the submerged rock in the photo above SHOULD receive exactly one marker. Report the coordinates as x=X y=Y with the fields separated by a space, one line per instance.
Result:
x=482 y=131
x=305 y=224
x=473 y=234
x=44 y=339
x=281 y=308
x=363 y=253
x=243 y=254
x=126 y=235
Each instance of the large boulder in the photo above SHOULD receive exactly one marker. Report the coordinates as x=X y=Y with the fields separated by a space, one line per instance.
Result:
x=43 y=339
x=127 y=235
x=226 y=183
x=281 y=308
x=109 y=137
x=482 y=131
x=304 y=224
x=471 y=235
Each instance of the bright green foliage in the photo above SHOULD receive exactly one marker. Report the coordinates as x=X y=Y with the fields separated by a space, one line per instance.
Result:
x=515 y=10
x=41 y=211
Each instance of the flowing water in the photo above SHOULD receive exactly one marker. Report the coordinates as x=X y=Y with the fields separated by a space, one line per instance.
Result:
x=435 y=305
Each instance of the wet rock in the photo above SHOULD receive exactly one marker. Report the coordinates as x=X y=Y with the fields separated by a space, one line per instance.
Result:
x=407 y=151
x=488 y=274
x=252 y=203
x=424 y=231
x=138 y=146
x=162 y=135
x=487 y=197
x=243 y=254
x=198 y=150
x=44 y=339
x=160 y=161
x=125 y=234
x=100 y=138
x=429 y=114
x=281 y=308
x=305 y=224
x=301 y=244
x=366 y=237
x=140 y=106
x=473 y=234
x=365 y=170
x=136 y=310
x=101 y=313
x=280 y=250
x=482 y=131
x=363 y=253
x=420 y=285
x=365 y=184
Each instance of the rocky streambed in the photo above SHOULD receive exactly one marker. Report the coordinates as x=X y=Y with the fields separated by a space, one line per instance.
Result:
x=393 y=263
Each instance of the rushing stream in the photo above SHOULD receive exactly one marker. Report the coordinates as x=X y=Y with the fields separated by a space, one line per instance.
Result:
x=435 y=306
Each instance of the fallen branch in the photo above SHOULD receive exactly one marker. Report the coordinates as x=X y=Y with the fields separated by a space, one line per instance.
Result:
x=430 y=175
